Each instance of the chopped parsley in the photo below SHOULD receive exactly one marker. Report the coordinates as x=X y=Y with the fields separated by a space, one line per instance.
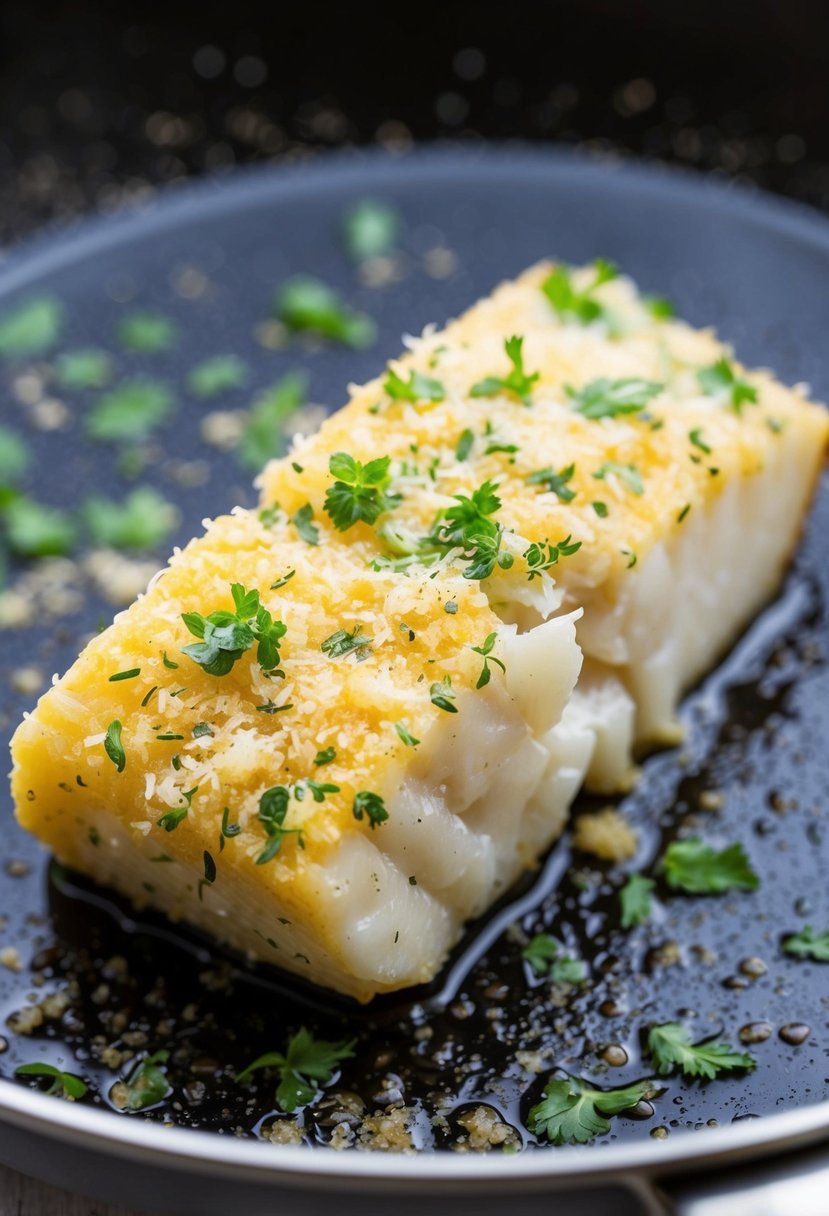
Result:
x=270 y=707
x=264 y=434
x=216 y=375
x=578 y=304
x=281 y=582
x=635 y=900
x=307 y=1064
x=572 y=1112
x=544 y=955
x=516 y=382
x=303 y=522
x=228 y=830
x=488 y=657
x=14 y=456
x=170 y=820
x=692 y=865
x=683 y=512
x=697 y=440
x=317 y=789
x=342 y=642
x=147 y=333
x=670 y=1047
x=169 y=662
x=467 y=526
x=442 y=694
x=371 y=805
x=808 y=944
x=465 y=444
x=370 y=229
x=603 y=398
x=325 y=756
x=130 y=412
x=142 y=521
x=627 y=473
x=129 y=674
x=306 y=304
x=358 y=492
x=556 y=483
x=542 y=557
x=80 y=369
x=405 y=734
x=147 y=1085
x=720 y=380
x=114 y=747
x=30 y=328
x=417 y=388
x=659 y=307
x=64 y=1084
x=273 y=809
x=600 y=508
x=35 y=530
x=202 y=729
x=226 y=636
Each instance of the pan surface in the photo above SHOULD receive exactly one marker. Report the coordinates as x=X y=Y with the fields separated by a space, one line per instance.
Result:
x=754 y=767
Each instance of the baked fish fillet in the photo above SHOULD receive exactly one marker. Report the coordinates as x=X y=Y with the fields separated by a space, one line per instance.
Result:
x=670 y=481
x=337 y=798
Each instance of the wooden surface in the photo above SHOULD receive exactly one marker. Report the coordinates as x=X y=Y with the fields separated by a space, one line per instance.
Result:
x=21 y=1196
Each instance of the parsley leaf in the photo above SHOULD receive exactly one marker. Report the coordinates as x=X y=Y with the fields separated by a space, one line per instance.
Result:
x=544 y=954
x=516 y=381
x=358 y=492
x=603 y=398
x=342 y=642
x=693 y=866
x=147 y=1085
x=659 y=307
x=130 y=412
x=263 y=436
x=671 y=1047
x=370 y=229
x=306 y=304
x=302 y=521
x=371 y=805
x=635 y=898
x=628 y=473
x=442 y=694
x=273 y=808
x=578 y=304
x=216 y=375
x=64 y=1084
x=225 y=636
x=808 y=944
x=143 y=520
x=34 y=530
x=80 y=369
x=468 y=527
x=113 y=746
x=488 y=657
x=541 y=557
x=405 y=735
x=572 y=1112
x=30 y=328
x=417 y=388
x=147 y=333
x=465 y=444
x=306 y=1064
x=556 y=483
x=14 y=456
x=720 y=380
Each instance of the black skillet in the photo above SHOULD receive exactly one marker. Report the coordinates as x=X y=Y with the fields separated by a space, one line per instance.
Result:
x=210 y=258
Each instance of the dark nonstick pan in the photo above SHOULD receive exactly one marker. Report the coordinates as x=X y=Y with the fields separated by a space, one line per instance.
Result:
x=754 y=767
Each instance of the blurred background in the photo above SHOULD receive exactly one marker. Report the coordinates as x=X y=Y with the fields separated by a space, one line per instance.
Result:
x=100 y=104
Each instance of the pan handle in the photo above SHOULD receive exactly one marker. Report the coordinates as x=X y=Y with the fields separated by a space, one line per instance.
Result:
x=794 y=1184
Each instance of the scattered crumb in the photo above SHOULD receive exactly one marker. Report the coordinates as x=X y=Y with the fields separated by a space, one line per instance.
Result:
x=26 y=1020
x=28 y=388
x=381 y=271
x=117 y=578
x=17 y=868
x=189 y=282
x=10 y=958
x=50 y=414
x=386 y=1131
x=223 y=429
x=271 y=334
x=711 y=800
x=606 y=835
x=188 y=473
x=485 y=1130
x=27 y=679
x=308 y=419
x=440 y=263
x=531 y=1061
x=284 y=1131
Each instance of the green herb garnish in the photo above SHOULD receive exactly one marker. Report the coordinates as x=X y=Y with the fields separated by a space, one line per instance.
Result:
x=147 y=1084
x=635 y=899
x=358 y=493
x=129 y=674
x=516 y=382
x=628 y=473
x=605 y=398
x=113 y=746
x=572 y=1112
x=578 y=304
x=147 y=333
x=225 y=636
x=30 y=328
x=273 y=809
x=670 y=1047
x=467 y=526
x=307 y=304
x=693 y=866
x=442 y=694
x=341 y=642
x=659 y=307
x=325 y=756
x=81 y=369
x=541 y=557
x=488 y=657
x=142 y=521
x=369 y=229
x=808 y=944
x=263 y=436
x=544 y=954
x=417 y=388
x=34 y=530
x=303 y=522
x=405 y=734
x=307 y=1064
x=14 y=456
x=130 y=412
x=216 y=375
x=371 y=805
x=464 y=444
x=720 y=380
x=64 y=1084
x=556 y=483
